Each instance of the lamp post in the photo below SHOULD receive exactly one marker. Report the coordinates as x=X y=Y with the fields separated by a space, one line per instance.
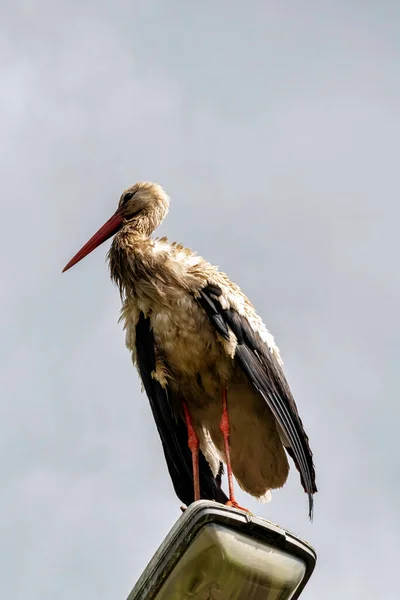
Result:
x=214 y=552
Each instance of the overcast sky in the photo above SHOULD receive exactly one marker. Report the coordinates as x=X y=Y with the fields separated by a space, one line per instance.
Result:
x=275 y=129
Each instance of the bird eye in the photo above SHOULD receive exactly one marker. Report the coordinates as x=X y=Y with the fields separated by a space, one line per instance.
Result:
x=128 y=196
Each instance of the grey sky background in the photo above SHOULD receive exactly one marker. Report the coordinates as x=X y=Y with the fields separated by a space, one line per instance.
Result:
x=274 y=126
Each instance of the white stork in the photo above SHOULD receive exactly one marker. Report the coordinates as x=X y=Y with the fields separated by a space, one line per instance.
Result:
x=211 y=370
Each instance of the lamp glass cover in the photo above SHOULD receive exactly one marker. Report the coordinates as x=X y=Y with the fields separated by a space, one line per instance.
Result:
x=223 y=564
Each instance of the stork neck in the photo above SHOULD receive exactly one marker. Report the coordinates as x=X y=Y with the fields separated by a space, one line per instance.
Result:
x=131 y=246
x=133 y=235
x=126 y=254
x=141 y=226
x=148 y=219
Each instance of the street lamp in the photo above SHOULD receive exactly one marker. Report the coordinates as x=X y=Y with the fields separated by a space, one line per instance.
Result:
x=214 y=552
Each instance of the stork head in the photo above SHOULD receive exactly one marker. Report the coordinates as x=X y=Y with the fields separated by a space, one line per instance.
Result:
x=144 y=201
x=142 y=206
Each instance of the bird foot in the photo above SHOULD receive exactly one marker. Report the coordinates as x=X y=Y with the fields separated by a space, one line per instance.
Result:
x=183 y=508
x=234 y=504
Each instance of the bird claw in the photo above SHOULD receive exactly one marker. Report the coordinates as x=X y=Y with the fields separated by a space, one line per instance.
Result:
x=234 y=504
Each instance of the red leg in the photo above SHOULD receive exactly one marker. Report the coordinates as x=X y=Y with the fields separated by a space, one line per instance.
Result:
x=193 y=442
x=225 y=429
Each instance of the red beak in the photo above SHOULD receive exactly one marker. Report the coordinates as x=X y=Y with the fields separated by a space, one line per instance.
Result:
x=104 y=233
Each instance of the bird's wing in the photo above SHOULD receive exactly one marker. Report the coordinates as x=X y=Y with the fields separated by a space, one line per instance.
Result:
x=171 y=427
x=266 y=375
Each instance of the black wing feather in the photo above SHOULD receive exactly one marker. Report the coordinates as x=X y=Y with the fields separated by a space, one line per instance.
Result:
x=171 y=428
x=267 y=377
